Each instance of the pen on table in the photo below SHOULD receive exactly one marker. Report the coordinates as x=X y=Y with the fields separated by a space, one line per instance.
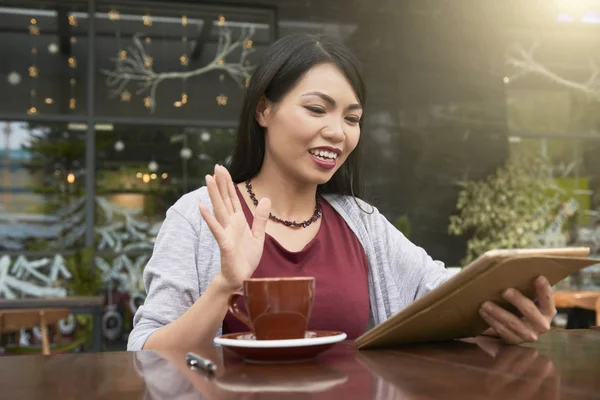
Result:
x=196 y=361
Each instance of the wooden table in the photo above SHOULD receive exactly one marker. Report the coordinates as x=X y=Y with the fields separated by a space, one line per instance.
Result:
x=78 y=305
x=562 y=365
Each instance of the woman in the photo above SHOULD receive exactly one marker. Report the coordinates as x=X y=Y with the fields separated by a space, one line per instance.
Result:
x=290 y=207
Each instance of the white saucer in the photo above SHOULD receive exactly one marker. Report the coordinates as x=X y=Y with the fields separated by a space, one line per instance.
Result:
x=313 y=338
x=279 y=351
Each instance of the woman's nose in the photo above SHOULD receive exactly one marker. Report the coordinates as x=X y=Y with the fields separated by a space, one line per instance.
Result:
x=334 y=131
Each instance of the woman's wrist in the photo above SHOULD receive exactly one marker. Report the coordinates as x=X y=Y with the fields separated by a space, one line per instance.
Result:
x=221 y=286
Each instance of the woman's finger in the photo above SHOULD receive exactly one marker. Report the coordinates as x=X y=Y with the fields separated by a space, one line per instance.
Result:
x=530 y=311
x=221 y=178
x=233 y=196
x=509 y=322
x=261 y=216
x=506 y=334
x=214 y=225
x=217 y=201
x=543 y=291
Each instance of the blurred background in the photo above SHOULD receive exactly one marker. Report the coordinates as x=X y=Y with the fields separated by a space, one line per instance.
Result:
x=481 y=131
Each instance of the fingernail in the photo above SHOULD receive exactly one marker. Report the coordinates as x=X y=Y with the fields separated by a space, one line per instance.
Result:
x=508 y=293
x=541 y=280
x=487 y=306
x=482 y=312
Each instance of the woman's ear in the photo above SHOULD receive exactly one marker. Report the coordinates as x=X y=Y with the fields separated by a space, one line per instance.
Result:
x=263 y=110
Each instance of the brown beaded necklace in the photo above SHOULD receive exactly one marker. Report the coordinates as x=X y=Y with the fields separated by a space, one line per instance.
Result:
x=316 y=215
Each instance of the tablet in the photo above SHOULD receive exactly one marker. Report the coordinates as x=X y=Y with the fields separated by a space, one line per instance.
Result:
x=451 y=311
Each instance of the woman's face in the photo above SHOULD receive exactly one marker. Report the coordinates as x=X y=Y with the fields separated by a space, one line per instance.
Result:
x=312 y=130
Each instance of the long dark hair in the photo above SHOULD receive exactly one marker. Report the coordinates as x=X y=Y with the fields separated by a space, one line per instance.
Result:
x=281 y=66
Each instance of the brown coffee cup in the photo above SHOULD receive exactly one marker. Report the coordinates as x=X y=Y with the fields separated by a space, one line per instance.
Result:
x=277 y=308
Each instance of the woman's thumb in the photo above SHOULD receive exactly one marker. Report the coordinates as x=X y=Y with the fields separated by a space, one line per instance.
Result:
x=261 y=216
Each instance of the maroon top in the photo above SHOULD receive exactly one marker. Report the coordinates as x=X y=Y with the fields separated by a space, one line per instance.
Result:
x=338 y=262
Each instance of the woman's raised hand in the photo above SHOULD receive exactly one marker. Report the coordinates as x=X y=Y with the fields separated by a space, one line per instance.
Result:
x=241 y=247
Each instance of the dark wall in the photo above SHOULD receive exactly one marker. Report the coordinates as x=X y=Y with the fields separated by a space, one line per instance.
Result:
x=436 y=109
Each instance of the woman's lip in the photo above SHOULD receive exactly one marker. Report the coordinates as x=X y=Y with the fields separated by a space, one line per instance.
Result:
x=326 y=164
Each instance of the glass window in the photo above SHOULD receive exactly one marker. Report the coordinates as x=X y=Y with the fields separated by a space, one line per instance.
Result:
x=42 y=206
x=189 y=63
x=43 y=53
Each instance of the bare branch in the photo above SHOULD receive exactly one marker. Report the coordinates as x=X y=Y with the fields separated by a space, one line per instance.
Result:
x=135 y=68
x=524 y=63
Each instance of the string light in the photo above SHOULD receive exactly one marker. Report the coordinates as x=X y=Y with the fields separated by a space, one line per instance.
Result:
x=32 y=110
x=123 y=54
x=222 y=100
x=148 y=102
x=72 y=100
x=177 y=104
x=247 y=83
x=73 y=39
x=248 y=44
x=34 y=30
x=73 y=20
x=148 y=61
x=71 y=178
x=165 y=175
x=184 y=21
x=221 y=21
x=126 y=95
x=113 y=15
x=48 y=100
x=33 y=71
x=184 y=60
x=184 y=98
x=147 y=20
x=153 y=176
x=148 y=39
x=146 y=178
x=72 y=62
x=220 y=62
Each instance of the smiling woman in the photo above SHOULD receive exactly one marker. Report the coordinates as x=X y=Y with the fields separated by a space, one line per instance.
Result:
x=301 y=216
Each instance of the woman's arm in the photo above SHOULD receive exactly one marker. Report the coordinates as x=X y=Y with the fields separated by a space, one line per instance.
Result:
x=175 y=313
x=198 y=325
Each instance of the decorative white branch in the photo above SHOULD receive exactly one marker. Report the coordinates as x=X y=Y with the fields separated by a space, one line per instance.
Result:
x=523 y=61
x=134 y=67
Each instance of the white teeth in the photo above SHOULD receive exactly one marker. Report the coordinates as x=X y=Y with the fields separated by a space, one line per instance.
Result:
x=324 y=154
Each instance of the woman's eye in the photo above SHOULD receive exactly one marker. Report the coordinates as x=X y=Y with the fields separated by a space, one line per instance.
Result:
x=317 y=110
x=353 y=120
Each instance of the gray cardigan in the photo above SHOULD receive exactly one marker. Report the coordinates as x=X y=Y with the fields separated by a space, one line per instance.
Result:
x=186 y=258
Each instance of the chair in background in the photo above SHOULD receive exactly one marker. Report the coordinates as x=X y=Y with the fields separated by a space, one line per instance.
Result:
x=588 y=300
x=15 y=320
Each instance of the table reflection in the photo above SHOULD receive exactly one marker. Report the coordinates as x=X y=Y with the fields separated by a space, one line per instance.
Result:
x=166 y=375
x=478 y=368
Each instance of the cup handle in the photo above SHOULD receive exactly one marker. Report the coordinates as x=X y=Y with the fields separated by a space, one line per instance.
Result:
x=232 y=304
